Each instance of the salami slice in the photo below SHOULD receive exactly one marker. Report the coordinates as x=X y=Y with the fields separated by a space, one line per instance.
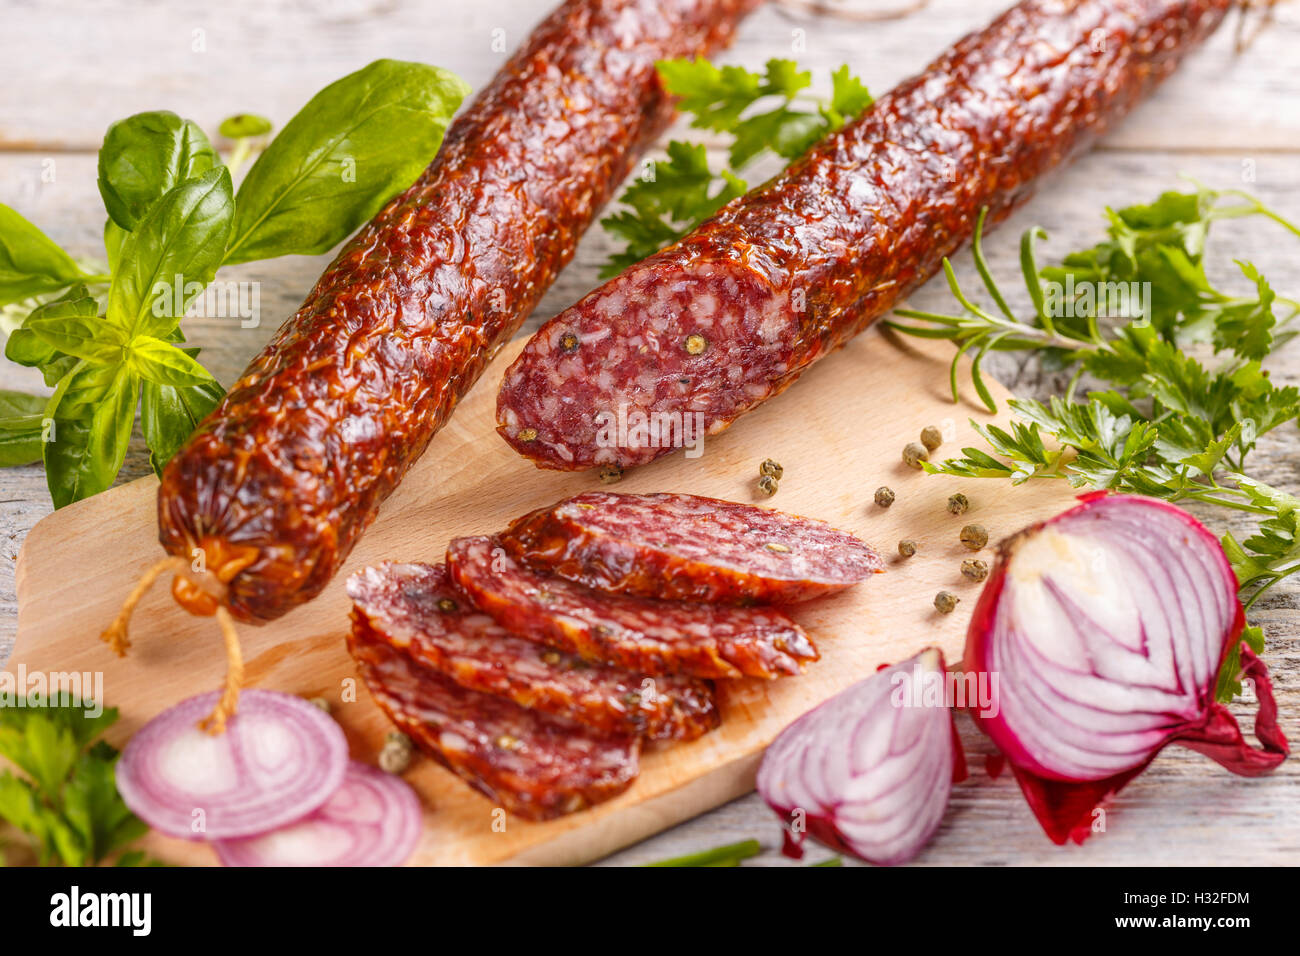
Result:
x=416 y=609
x=689 y=548
x=652 y=637
x=532 y=765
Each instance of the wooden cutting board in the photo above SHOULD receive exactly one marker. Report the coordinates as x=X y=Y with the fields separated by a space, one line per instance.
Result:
x=838 y=433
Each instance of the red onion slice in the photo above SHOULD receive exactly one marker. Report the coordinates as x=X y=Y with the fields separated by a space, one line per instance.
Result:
x=869 y=771
x=279 y=759
x=372 y=819
x=1103 y=631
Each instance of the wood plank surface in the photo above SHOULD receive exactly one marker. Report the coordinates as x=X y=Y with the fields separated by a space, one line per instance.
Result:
x=838 y=432
x=1225 y=119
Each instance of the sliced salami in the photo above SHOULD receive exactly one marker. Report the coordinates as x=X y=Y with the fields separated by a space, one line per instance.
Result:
x=652 y=637
x=416 y=609
x=532 y=765
x=689 y=548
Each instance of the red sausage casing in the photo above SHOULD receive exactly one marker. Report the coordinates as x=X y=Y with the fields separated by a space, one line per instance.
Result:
x=282 y=478
x=699 y=333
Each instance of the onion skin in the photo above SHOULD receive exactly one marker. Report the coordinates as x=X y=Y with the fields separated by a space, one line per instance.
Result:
x=861 y=777
x=1065 y=805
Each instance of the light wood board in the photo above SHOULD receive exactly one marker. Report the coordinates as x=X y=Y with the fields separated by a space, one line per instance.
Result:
x=838 y=433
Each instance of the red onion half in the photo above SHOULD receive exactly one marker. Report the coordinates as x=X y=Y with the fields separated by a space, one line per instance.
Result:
x=869 y=771
x=1102 y=632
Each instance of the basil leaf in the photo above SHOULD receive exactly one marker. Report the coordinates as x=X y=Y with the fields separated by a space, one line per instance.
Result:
x=86 y=337
x=114 y=235
x=83 y=457
x=27 y=348
x=163 y=364
x=83 y=391
x=21 y=420
x=244 y=125
x=168 y=416
x=30 y=263
x=143 y=157
x=18 y=404
x=171 y=255
x=356 y=143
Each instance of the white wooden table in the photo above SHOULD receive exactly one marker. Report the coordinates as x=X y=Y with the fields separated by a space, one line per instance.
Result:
x=1228 y=120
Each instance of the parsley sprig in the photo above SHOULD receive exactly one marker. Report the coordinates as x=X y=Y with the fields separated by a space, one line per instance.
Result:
x=762 y=112
x=65 y=799
x=1162 y=422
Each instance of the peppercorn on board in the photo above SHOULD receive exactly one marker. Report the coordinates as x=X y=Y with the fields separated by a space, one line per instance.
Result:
x=838 y=434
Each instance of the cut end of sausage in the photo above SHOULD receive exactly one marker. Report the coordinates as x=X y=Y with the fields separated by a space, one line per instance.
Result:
x=651 y=362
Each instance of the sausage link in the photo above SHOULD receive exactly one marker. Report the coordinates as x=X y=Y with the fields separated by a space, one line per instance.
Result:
x=703 y=331
x=281 y=479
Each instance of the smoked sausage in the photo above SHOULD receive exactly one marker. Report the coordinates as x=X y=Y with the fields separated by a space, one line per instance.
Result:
x=276 y=485
x=692 y=337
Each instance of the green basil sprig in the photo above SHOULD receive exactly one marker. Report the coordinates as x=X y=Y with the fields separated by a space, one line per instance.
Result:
x=109 y=342
x=334 y=165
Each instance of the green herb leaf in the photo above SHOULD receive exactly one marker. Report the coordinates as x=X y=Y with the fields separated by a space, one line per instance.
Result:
x=172 y=254
x=162 y=363
x=85 y=337
x=683 y=191
x=70 y=806
x=83 y=456
x=169 y=415
x=27 y=348
x=144 y=157
x=21 y=424
x=334 y=164
x=244 y=125
x=729 y=855
x=849 y=96
x=30 y=262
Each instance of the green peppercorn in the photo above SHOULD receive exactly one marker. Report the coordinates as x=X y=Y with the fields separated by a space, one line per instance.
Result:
x=610 y=474
x=395 y=738
x=527 y=434
x=931 y=437
x=907 y=547
x=958 y=504
x=884 y=496
x=975 y=569
x=773 y=468
x=945 y=602
x=768 y=485
x=446 y=605
x=974 y=537
x=320 y=702
x=914 y=453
